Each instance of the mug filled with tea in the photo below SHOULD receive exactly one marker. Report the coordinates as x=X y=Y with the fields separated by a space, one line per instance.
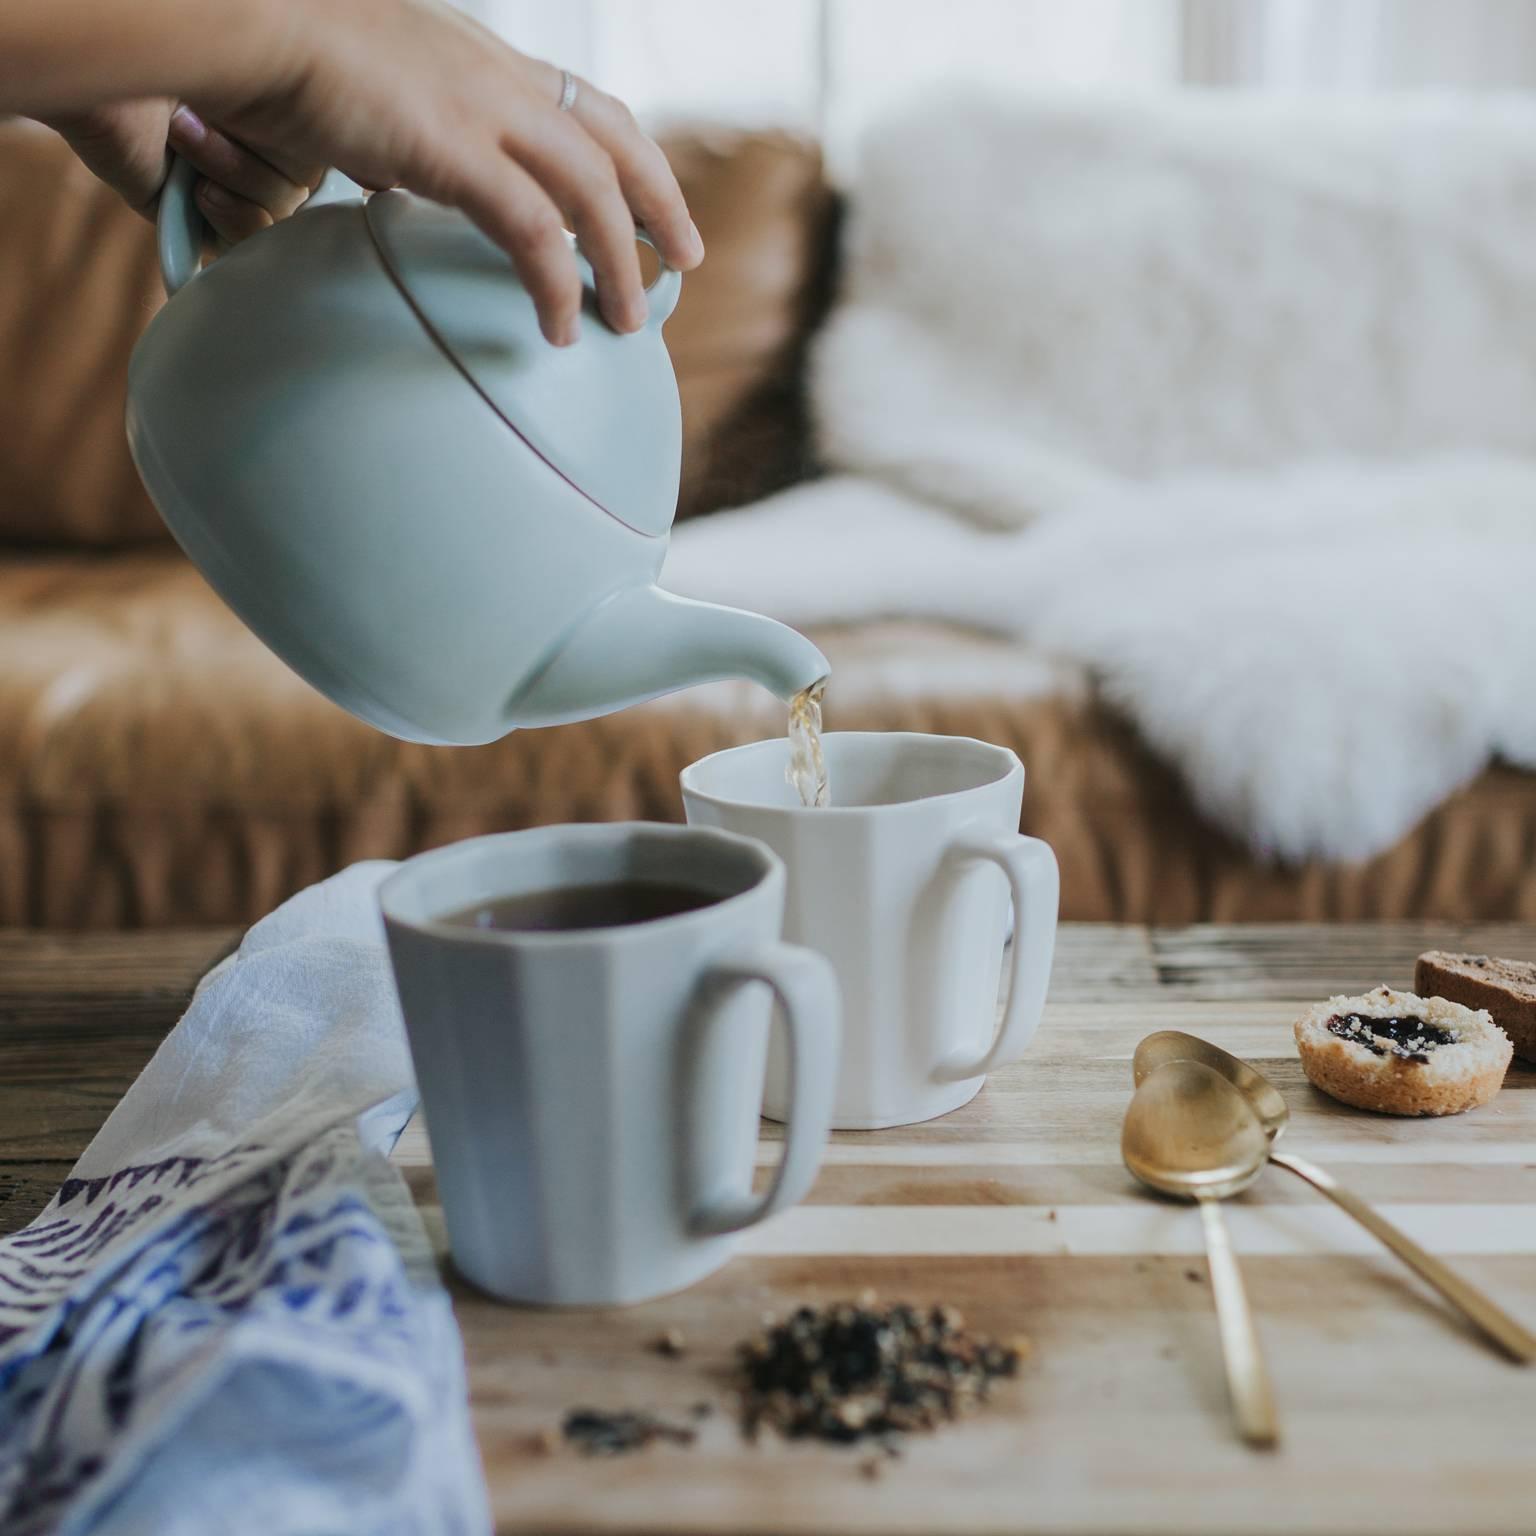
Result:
x=588 y=1011
x=903 y=852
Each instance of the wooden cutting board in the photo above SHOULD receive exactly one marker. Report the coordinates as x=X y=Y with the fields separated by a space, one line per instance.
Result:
x=1017 y=1210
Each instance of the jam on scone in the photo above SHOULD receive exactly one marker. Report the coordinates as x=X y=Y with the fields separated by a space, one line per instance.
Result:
x=1411 y=1038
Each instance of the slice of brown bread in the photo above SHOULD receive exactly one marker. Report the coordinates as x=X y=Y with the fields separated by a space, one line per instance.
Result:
x=1506 y=988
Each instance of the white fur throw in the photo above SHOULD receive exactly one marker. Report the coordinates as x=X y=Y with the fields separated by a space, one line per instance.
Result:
x=1232 y=400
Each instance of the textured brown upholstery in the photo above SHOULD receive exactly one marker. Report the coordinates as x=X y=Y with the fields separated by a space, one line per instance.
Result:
x=157 y=766
x=80 y=283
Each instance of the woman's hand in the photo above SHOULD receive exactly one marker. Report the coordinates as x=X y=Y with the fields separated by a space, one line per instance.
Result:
x=412 y=93
x=239 y=192
x=393 y=92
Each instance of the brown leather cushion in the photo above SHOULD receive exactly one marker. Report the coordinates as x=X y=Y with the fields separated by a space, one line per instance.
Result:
x=81 y=284
x=738 y=339
x=157 y=766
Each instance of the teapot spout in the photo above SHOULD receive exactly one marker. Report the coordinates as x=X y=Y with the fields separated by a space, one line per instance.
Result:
x=641 y=642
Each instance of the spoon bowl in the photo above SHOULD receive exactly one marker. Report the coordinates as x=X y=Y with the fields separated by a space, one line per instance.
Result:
x=1189 y=1133
x=1263 y=1097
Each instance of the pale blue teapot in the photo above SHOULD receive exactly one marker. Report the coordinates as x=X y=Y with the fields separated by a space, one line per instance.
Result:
x=353 y=427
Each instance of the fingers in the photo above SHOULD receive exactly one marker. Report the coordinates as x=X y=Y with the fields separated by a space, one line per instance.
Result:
x=231 y=218
x=123 y=144
x=645 y=179
x=514 y=211
x=428 y=100
x=606 y=176
x=278 y=187
x=239 y=192
x=582 y=182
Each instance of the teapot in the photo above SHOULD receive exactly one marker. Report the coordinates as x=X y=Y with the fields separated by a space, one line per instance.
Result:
x=354 y=428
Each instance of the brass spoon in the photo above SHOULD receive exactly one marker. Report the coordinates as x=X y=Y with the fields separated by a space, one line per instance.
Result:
x=1190 y=1134
x=1169 y=1045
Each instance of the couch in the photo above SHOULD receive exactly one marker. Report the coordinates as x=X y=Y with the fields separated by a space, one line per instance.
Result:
x=159 y=767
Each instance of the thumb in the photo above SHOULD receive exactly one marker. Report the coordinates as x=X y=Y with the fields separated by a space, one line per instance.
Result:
x=123 y=144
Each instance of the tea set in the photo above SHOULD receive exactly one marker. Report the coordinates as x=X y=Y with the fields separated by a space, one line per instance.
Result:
x=353 y=427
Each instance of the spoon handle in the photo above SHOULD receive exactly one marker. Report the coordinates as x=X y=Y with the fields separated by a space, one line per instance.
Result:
x=1516 y=1341
x=1247 y=1376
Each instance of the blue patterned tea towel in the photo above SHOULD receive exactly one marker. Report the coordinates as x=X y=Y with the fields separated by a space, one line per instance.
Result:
x=228 y=1319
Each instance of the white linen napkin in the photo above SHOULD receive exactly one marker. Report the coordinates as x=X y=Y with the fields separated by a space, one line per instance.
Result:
x=228 y=1319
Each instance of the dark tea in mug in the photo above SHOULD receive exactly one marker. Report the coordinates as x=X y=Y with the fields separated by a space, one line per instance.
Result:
x=571 y=908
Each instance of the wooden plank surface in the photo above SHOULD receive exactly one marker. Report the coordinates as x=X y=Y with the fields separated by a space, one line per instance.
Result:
x=1016 y=1209
x=80 y=1014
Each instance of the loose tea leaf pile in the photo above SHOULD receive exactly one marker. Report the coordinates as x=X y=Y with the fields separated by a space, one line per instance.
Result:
x=671 y=1343
x=855 y=1370
x=598 y=1433
x=850 y=1372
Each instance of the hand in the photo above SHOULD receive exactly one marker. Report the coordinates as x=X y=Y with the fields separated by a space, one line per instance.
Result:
x=412 y=93
x=238 y=193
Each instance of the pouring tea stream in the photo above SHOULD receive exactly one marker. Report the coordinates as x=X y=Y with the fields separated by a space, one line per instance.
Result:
x=353 y=427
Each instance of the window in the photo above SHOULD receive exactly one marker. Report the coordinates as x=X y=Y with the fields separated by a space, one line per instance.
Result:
x=827 y=66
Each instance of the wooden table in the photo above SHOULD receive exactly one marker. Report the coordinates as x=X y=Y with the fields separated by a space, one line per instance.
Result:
x=1016 y=1209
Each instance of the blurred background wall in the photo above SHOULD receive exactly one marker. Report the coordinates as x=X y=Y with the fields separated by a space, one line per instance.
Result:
x=829 y=66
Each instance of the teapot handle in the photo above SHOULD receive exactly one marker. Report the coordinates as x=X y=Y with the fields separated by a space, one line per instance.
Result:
x=180 y=229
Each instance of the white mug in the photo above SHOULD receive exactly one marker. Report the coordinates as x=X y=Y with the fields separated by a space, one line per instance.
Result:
x=904 y=883
x=592 y=1094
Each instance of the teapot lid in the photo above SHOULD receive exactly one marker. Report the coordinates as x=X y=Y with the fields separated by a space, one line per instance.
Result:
x=603 y=413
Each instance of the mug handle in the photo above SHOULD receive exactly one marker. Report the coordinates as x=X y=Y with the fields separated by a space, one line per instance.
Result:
x=806 y=987
x=180 y=229
x=1035 y=881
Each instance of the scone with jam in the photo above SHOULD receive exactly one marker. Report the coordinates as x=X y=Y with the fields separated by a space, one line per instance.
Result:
x=1401 y=1054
